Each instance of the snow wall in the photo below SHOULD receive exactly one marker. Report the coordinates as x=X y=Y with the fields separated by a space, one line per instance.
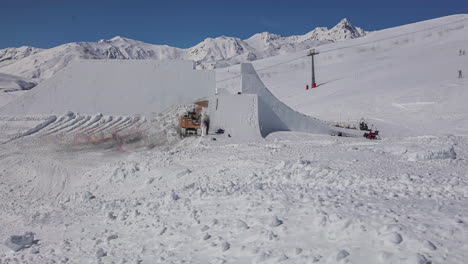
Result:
x=236 y=114
x=116 y=87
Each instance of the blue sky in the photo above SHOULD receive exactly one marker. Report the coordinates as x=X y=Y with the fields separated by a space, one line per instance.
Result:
x=49 y=23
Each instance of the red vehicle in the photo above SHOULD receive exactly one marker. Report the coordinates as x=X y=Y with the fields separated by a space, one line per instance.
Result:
x=372 y=135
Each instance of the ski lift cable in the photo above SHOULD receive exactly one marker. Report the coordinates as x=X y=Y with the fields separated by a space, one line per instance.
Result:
x=284 y=62
x=266 y=68
x=350 y=46
x=231 y=78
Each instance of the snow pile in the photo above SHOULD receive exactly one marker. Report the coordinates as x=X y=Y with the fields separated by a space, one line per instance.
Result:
x=431 y=148
x=424 y=148
x=11 y=127
x=37 y=128
x=98 y=86
x=17 y=243
x=446 y=152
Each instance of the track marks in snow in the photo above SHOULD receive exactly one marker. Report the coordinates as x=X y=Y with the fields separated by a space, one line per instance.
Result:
x=72 y=123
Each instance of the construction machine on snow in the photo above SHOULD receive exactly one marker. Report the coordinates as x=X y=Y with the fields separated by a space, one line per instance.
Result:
x=371 y=133
x=192 y=122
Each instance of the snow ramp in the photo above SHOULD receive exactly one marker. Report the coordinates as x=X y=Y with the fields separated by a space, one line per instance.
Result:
x=256 y=112
x=115 y=87
x=237 y=115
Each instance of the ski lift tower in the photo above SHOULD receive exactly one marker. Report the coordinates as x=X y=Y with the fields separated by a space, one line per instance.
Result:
x=312 y=53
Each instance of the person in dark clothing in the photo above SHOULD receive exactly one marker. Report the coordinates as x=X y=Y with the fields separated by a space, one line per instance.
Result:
x=206 y=123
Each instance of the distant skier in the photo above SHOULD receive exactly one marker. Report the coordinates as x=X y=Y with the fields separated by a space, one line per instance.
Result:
x=461 y=52
x=460 y=74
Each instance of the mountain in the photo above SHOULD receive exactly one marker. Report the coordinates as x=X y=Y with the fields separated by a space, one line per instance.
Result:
x=342 y=31
x=212 y=52
x=12 y=55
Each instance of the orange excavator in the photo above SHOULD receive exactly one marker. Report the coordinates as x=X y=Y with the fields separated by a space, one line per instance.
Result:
x=190 y=123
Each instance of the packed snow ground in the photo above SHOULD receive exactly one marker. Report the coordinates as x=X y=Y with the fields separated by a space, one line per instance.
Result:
x=293 y=198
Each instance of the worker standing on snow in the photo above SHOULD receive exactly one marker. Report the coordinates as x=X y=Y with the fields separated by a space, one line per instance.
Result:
x=205 y=123
x=460 y=74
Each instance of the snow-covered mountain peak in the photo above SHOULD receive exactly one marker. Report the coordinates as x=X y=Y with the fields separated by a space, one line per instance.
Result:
x=266 y=36
x=218 y=52
x=346 y=30
x=117 y=38
x=344 y=21
x=211 y=49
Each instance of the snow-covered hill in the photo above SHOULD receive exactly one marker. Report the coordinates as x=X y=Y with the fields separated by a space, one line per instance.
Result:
x=10 y=83
x=221 y=51
x=11 y=87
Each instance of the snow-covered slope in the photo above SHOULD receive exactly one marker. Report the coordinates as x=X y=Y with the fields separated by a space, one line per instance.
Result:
x=405 y=79
x=147 y=86
x=10 y=83
x=220 y=51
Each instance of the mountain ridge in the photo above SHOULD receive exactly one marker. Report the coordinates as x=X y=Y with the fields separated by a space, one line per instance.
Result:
x=216 y=52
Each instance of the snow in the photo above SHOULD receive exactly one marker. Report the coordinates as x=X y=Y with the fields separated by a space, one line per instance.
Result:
x=12 y=55
x=221 y=51
x=255 y=113
x=237 y=115
x=147 y=196
x=10 y=83
x=320 y=197
x=404 y=85
x=116 y=87
x=17 y=243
